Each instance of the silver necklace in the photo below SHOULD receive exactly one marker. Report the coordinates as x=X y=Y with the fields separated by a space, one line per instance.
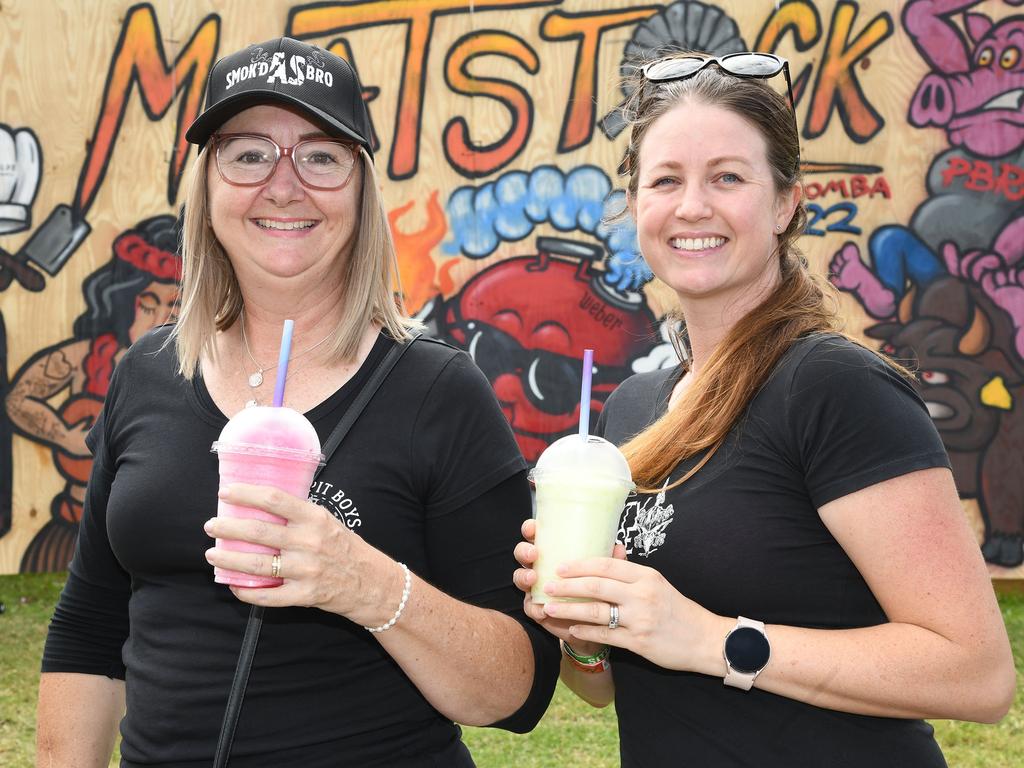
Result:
x=256 y=379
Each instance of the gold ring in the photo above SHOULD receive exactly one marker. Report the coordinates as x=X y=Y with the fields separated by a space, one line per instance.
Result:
x=275 y=566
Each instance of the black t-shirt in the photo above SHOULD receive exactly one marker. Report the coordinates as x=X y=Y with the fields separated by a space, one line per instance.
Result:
x=743 y=537
x=430 y=474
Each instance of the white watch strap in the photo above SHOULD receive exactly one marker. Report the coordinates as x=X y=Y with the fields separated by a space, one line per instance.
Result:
x=734 y=678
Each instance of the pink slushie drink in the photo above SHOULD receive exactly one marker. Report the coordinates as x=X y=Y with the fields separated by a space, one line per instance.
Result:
x=581 y=485
x=264 y=446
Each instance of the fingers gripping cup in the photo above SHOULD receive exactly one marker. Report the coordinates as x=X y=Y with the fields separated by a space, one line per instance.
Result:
x=264 y=446
x=582 y=483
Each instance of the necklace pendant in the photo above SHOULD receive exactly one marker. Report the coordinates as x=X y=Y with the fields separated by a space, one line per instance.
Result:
x=251 y=403
x=256 y=379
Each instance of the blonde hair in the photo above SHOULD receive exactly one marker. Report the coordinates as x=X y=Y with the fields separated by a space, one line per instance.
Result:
x=211 y=300
x=801 y=303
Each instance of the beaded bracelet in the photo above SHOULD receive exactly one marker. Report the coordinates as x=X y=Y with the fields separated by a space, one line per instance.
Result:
x=401 y=606
x=590 y=664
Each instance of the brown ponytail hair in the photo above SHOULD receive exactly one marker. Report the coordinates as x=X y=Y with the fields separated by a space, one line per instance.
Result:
x=801 y=303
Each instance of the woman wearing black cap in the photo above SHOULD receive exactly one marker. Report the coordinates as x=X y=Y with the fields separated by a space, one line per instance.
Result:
x=408 y=527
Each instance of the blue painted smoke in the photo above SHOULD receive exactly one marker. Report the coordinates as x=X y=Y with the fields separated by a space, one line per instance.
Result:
x=626 y=269
x=508 y=209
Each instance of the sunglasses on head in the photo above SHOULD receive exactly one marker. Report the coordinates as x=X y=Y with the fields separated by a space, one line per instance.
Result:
x=759 y=66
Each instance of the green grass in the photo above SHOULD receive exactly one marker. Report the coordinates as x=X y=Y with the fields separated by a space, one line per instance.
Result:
x=571 y=733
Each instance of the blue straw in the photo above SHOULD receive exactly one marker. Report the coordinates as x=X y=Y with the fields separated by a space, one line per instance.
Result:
x=282 y=362
x=588 y=372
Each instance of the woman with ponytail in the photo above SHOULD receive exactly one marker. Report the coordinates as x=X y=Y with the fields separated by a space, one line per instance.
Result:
x=795 y=582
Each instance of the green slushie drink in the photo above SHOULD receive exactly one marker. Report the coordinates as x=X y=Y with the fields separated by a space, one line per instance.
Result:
x=582 y=484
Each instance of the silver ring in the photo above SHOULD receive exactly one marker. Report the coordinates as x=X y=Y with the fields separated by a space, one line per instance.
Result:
x=613 y=616
x=275 y=566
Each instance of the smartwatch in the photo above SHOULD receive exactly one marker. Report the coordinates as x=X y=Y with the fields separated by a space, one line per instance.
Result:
x=746 y=653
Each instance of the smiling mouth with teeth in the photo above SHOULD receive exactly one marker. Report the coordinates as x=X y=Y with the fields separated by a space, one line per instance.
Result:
x=283 y=225
x=696 y=243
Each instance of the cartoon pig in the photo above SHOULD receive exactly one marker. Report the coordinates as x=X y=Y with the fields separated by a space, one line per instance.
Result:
x=976 y=95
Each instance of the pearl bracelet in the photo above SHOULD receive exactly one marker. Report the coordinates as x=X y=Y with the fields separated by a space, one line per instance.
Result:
x=401 y=606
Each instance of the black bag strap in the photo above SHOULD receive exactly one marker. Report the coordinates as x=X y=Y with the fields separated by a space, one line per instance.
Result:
x=365 y=394
x=252 y=628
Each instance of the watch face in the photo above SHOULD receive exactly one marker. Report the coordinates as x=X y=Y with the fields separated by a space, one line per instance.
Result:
x=747 y=650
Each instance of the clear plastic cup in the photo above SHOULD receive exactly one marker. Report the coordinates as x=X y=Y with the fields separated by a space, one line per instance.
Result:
x=264 y=446
x=582 y=485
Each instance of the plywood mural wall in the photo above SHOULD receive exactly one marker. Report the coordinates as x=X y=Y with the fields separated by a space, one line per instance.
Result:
x=499 y=138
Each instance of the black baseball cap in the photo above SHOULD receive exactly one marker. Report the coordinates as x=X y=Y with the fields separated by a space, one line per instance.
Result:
x=289 y=72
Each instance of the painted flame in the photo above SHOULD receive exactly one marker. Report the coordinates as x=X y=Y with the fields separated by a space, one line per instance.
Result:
x=416 y=268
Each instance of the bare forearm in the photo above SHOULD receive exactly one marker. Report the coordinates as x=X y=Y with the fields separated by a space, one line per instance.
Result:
x=891 y=670
x=77 y=720
x=943 y=654
x=473 y=665
x=595 y=688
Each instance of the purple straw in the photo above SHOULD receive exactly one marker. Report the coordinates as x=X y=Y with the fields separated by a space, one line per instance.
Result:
x=588 y=372
x=282 y=362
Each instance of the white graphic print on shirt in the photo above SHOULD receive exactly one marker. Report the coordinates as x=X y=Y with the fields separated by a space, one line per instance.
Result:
x=643 y=524
x=335 y=501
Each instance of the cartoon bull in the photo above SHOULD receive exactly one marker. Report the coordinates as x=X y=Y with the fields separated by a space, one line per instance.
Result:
x=972 y=383
x=955 y=274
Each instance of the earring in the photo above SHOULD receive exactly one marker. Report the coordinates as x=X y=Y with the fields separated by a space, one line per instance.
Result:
x=778 y=227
